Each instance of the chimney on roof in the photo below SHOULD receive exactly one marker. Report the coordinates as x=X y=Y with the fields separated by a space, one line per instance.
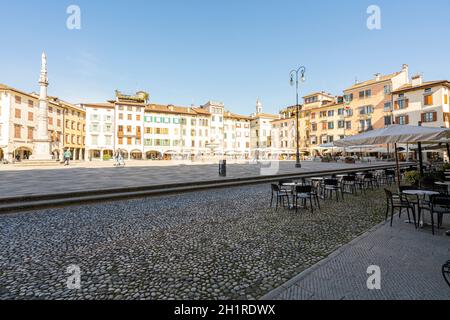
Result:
x=417 y=80
x=377 y=76
x=405 y=70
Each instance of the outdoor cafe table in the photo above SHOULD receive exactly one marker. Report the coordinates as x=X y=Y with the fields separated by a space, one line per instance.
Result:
x=422 y=193
x=292 y=185
x=317 y=183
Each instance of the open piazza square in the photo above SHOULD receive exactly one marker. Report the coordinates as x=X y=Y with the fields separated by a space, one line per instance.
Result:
x=224 y=159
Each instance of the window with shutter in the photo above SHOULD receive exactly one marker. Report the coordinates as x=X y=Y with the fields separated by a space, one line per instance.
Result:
x=30 y=133
x=434 y=116
x=445 y=99
x=446 y=117
x=407 y=119
x=17 y=131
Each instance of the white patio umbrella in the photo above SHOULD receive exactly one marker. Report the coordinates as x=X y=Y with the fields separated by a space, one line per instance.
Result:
x=329 y=148
x=397 y=134
x=441 y=143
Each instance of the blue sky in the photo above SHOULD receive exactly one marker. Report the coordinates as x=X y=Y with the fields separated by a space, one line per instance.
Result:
x=234 y=51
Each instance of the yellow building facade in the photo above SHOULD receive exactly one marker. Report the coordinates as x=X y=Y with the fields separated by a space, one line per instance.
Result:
x=74 y=129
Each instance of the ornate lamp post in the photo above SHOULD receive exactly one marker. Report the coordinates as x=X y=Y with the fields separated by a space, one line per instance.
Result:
x=295 y=76
x=346 y=103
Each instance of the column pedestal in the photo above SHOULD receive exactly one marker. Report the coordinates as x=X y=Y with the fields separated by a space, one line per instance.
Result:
x=41 y=151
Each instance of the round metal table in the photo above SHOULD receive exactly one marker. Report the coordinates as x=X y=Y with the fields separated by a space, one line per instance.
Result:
x=423 y=193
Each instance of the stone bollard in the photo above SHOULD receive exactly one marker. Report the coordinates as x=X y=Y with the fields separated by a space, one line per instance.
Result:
x=223 y=168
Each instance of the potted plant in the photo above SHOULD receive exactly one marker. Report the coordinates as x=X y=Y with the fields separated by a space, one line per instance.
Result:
x=413 y=177
x=349 y=160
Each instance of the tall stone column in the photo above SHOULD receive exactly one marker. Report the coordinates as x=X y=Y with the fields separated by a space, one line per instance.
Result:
x=42 y=140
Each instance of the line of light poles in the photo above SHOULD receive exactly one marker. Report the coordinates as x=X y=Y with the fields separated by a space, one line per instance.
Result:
x=295 y=77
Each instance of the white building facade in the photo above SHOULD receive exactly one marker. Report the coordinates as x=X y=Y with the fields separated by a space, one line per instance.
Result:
x=100 y=131
x=236 y=137
x=260 y=133
x=129 y=125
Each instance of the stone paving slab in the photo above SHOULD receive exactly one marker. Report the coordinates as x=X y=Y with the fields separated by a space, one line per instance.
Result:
x=410 y=263
x=39 y=181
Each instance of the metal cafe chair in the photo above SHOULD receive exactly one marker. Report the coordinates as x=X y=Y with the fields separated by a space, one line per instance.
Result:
x=381 y=177
x=396 y=201
x=390 y=176
x=439 y=205
x=330 y=186
x=280 y=195
x=348 y=184
x=306 y=193
x=446 y=272
x=370 y=181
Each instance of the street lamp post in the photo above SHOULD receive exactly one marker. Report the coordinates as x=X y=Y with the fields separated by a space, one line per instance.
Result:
x=346 y=104
x=295 y=75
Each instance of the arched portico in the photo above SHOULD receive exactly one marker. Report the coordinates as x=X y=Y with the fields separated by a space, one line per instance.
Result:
x=153 y=155
x=136 y=155
x=22 y=153
x=169 y=155
x=107 y=154
x=94 y=154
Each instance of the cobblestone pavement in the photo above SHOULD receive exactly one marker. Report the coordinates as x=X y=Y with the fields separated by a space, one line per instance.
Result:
x=218 y=244
x=67 y=179
x=410 y=262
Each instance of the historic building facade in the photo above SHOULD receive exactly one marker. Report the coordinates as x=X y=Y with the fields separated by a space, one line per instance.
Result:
x=371 y=100
x=37 y=126
x=260 y=133
x=18 y=124
x=372 y=104
x=237 y=135
x=424 y=102
x=129 y=125
x=41 y=127
x=100 y=131
x=283 y=138
x=175 y=132
x=74 y=129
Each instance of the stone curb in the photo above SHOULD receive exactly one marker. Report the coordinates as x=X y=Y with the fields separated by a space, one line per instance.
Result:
x=30 y=202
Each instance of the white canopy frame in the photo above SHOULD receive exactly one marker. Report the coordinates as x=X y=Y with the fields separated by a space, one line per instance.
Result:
x=398 y=134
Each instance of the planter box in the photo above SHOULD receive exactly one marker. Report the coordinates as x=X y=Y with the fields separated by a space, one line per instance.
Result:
x=350 y=160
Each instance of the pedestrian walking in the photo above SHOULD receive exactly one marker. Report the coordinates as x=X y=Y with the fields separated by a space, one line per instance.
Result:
x=67 y=156
x=116 y=159
x=120 y=160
